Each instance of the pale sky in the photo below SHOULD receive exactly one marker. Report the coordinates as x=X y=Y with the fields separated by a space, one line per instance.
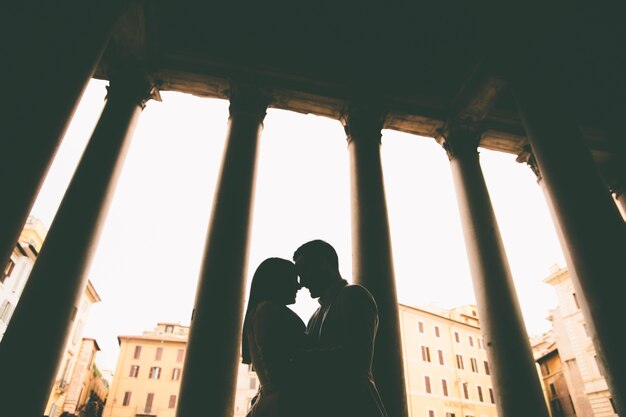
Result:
x=148 y=259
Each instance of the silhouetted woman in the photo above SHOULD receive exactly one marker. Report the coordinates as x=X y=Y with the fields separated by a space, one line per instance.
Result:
x=272 y=334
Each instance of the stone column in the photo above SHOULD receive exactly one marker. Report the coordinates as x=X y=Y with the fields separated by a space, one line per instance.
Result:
x=213 y=352
x=35 y=340
x=516 y=384
x=618 y=191
x=593 y=231
x=372 y=260
x=52 y=54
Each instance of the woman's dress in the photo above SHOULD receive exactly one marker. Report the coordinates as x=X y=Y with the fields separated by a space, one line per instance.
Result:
x=275 y=334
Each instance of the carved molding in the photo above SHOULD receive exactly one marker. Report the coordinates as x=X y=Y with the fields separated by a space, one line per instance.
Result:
x=133 y=84
x=363 y=122
x=247 y=99
x=460 y=138
x=527 y=157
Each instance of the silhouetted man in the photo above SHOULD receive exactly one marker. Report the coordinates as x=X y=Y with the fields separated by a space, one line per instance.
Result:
x=342 y=332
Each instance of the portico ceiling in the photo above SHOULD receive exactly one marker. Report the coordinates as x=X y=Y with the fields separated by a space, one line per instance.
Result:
x=424 y=61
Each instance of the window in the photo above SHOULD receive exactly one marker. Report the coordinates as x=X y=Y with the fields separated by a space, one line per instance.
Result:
x=487 y=372
x=149 y=401
x=575 y=300
x=474 y=365
x=126 y=399
x=137 y=353
x=427 y=384
x=159 y=354
x=480 y=393
x=440 y=352
x=134 y=371
x=480 y=343
x=471 y=340
x=557 y=409
x=425 y=354
x=459 y=361
x=449 y=414
x=155 y=372
x=456 y=337
x=437 y=331
x=444 y=387
x=431 y=413
x=175 y=374
x=179 y=356
x=420 y=327
x=545 y=369
x=169 y=328
x=552 y=390
x=7 y=270
x=252 y=383
x=6 y=311
x=493 y=399
x=172 y=403
x=465 y=391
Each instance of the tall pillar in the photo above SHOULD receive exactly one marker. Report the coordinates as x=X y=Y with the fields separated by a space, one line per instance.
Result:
x=372 y=261
x=213 y=352
x=515 y=381
x=47 y=69
x=36 y=337
x=618 y=191
x=592 y=229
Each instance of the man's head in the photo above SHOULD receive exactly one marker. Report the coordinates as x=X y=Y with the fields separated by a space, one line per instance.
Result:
x=317 y=265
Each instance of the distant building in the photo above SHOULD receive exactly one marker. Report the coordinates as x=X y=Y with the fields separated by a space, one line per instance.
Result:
x=447 y=373
x=570 y=372
x=442 y=347
x=15 y=274
x=62 y=397
x=148 y=373
x=550 y=368
x=13 y=280
x=86 y=382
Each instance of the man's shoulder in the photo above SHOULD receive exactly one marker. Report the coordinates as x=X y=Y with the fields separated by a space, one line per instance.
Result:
x=356 y=292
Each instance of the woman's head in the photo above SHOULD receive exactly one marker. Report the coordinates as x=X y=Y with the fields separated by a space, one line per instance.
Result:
x=274 y=280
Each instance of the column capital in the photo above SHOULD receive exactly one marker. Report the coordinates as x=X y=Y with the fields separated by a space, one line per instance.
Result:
x=460 y=138
x=526 y=156
x=363 y=122
x=612 y=171
x=134 y=84
x=248 y=99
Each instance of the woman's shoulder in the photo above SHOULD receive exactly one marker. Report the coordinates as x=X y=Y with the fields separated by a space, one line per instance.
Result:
x=272 y=312
x=271 y=309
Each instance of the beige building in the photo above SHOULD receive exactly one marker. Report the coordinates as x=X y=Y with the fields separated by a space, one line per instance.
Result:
x=148 y=372
x=446 y=368
x=63 y=396
x=15 y=274
x=583 y=377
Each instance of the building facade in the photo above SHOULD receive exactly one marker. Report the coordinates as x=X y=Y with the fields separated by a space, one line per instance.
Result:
x=86 y=383
x=15 y=273
x=571 y=357
x=64 y=396
x=551 y=371
x=148 y=373
x=446 y=368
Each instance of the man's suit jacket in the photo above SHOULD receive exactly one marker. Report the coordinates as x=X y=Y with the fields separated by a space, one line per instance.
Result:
x=342 y=332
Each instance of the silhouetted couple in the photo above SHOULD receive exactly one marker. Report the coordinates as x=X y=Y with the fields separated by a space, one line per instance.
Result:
x=323 y=370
